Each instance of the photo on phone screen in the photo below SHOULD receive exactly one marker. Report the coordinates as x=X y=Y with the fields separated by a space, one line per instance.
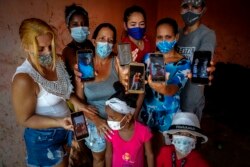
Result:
x=201 y=61
x=136 y=78
x=124 y=53
x=85 y=64
x=157 y=67
x=80 y=126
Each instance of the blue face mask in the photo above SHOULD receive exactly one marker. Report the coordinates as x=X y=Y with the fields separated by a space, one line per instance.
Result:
x=103 y=49
x=165 y=46
x=137 y=32
x=79 y=34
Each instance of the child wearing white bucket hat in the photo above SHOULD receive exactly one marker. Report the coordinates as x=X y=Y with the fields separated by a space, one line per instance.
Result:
x=131 y=140
x=185 y=130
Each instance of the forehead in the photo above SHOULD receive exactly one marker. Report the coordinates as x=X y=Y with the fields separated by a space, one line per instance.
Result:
x=105 y=31
x=136 y=16
x=77 y=17
x=164 y=28
x=44 y=40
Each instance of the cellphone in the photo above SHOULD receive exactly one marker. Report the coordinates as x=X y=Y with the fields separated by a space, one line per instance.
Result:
x=136 y=78
x=157 y=67
x=124 y=53
x=86 y=64
x=201 y=61
x=80 y=126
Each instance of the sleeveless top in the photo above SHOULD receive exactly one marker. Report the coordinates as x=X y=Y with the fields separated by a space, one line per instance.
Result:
x=97 y=93
x=51 y=98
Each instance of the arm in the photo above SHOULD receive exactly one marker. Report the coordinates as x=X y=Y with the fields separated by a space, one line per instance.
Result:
x=138 y=105
x=24 y=98
x=149 y=153
x=108 y=155
x=162 y=88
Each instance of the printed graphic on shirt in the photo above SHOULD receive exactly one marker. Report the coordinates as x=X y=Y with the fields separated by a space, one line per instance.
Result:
x=187 y=52
x=127 y=162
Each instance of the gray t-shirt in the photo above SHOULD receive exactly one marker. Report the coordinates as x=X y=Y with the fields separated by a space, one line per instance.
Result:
x=202 y=39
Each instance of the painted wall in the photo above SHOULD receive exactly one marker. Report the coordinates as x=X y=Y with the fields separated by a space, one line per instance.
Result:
x=229 y=20
x=12 y=12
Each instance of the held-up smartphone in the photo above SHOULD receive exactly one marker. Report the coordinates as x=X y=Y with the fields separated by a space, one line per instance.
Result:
x=157 y=67
x=201 y=61
x=124 y=53
x=80 y=126
x=86 y=64
x=136 y=78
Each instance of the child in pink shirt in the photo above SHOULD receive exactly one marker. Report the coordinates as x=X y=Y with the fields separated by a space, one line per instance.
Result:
x=131 y=139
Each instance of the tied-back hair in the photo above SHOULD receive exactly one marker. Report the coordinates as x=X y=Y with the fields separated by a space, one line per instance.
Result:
x=76 y=10
x=29 y=30
x=133 y=9
x=168 y=21
x=129 y=99
x=105 y=25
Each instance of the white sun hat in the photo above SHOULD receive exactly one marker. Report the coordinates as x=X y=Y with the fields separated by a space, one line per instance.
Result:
x=186 y=122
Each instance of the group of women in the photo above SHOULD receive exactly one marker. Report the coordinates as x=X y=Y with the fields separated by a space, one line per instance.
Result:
x=42 y=87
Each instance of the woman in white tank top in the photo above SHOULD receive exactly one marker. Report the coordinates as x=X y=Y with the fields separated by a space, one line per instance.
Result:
x=40 y=88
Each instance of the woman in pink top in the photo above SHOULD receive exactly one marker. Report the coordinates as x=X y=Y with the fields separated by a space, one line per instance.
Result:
x=135 y=25
x=125 y=147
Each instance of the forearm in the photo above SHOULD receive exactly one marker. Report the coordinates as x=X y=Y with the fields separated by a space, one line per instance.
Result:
x=138 y=105
x=41 y=122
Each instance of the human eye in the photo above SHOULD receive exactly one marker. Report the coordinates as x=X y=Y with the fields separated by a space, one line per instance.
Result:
x=185 y=6
x=40 y=49
x=142 y=24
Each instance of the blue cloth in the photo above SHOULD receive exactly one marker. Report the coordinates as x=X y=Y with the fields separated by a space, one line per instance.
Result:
x=45 y=147
x=94 y=141
x=158 y=109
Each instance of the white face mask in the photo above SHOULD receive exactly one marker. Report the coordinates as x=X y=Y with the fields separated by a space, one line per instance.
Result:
x=183 y=144
x=116 y=125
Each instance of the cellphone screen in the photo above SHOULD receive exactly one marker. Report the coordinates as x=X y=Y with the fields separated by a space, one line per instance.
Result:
x=136 y=78
x=199 y=66
x=157 y=67
x=85 y=64
x=124 y=53
x=80 y=127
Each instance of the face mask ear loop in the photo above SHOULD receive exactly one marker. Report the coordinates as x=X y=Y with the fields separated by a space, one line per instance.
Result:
x=125 y=116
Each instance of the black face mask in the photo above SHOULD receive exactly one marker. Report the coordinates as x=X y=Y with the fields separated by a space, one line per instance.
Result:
x=191 y=18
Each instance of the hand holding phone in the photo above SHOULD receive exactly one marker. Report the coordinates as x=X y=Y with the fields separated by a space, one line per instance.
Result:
x=201 y=61
x=80 y=126
x=124 y=53
x=86 y=64
x=157 y=67
x=136 y=78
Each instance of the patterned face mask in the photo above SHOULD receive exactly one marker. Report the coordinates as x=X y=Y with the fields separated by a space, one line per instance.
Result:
x=79 y=34
x=165 y=46
x=183 y=144
x=103 y=49
x=45 y=59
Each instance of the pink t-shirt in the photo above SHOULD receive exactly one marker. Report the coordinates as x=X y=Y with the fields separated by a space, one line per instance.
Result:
x=130 y=153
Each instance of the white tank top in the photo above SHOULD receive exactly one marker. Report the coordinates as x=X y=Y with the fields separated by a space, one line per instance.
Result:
x=52 y=97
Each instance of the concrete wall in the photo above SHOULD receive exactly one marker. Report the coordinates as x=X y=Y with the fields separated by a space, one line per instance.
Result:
x=229 y=20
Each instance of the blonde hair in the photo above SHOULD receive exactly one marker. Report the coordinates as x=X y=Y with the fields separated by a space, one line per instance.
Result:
x=29 y=30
